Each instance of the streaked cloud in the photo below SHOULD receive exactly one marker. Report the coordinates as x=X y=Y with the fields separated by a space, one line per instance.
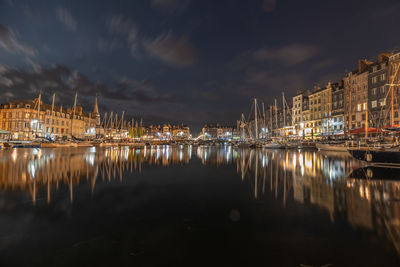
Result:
x=109 y=45
x=122 y=26
x=9 y=42
x=175 y=51
x=291 y=54
x=66 y=18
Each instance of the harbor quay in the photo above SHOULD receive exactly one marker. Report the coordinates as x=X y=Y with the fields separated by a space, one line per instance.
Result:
x=30 y=120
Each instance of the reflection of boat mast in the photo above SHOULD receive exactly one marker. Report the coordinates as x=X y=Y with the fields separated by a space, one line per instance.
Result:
x=255 y=119
x=256 y=177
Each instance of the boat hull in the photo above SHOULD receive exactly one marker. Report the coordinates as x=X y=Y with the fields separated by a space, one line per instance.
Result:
x=328 y=147
x=274 y=146
x=382 y=157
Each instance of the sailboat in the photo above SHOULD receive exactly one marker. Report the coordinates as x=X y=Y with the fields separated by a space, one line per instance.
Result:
x=381 y=155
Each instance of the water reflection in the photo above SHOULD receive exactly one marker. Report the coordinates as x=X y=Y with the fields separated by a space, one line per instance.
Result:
x=320 y=179
x=326 y=180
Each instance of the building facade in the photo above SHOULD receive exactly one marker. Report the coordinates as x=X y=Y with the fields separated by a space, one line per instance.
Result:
x=378 y=94
x=299 y=112
x=337 y=118
x=218 y=131
x=26 y=122
x=356 y=95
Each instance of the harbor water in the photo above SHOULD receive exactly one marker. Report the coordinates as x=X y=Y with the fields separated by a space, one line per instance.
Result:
x=195 y=206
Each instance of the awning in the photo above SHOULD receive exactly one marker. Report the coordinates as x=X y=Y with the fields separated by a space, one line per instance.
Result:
x=362 y=130
x=4 y=132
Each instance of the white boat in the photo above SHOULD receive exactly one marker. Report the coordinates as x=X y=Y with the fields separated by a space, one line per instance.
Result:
x=49 y=145
x=274 y=146
x=106 y=144
x=342 y=147
x=84 y=144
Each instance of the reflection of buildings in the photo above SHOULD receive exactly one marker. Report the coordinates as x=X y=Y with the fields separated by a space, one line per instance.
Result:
x=31 y=170
x=308 y=177
x=320 y=179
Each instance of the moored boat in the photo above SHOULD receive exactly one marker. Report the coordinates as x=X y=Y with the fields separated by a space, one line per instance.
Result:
x=274 y=146
x=340 y=147
x=377 y=156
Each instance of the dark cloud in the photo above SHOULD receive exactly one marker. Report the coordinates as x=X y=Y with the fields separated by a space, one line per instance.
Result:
x=9 y=42
x=65 y=82
x=269 y=5
x=178 y=52
x=66 y=18
x=291 y=54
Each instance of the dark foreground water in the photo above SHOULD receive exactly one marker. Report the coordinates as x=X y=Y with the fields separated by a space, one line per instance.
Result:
x=184 y=206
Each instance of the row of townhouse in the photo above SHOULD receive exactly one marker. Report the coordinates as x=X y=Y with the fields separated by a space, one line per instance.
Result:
x=369 y=95
x=26 y=120
x=168 y=131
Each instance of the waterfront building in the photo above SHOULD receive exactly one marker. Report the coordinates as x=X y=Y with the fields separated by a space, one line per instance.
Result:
x=320 y=110
x=25 y=122
x=300 y=107
x=378 y=97
x=167 y=131
x=280 y=120
x=356 y=95
x=181 y=131
x=306 y=125
x=217 y=131
x=337 y=118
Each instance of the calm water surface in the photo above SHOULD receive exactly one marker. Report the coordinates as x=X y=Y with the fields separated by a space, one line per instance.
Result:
x=187 y=206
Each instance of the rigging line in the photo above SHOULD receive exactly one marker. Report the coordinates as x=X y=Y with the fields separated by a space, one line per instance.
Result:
x=387 y=94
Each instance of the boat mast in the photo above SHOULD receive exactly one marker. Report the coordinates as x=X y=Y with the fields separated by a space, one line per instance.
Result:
x=366 y=122
x=270 y=121
x=52 y=113
x=255 y=119
x=264 y=126
x=122 y=121
x=73 y=114
x=276 y=116
x=284 y=109
x=38 y=113
x=105 y=123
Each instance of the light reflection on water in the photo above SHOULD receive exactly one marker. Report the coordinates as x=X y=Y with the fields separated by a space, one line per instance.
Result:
x=320 y=179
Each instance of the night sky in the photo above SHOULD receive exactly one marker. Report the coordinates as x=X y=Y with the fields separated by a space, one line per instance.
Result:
x=186 y=61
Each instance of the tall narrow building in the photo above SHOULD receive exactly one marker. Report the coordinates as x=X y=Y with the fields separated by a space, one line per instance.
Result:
x=96 y=113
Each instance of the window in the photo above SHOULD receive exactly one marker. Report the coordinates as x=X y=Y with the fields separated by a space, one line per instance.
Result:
x=382 y=102
x=359 y=107
x=374 y=91
x=382 y=89
x=374 y=79
x=364 y=106
x=374 y=104
x=383 y=76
